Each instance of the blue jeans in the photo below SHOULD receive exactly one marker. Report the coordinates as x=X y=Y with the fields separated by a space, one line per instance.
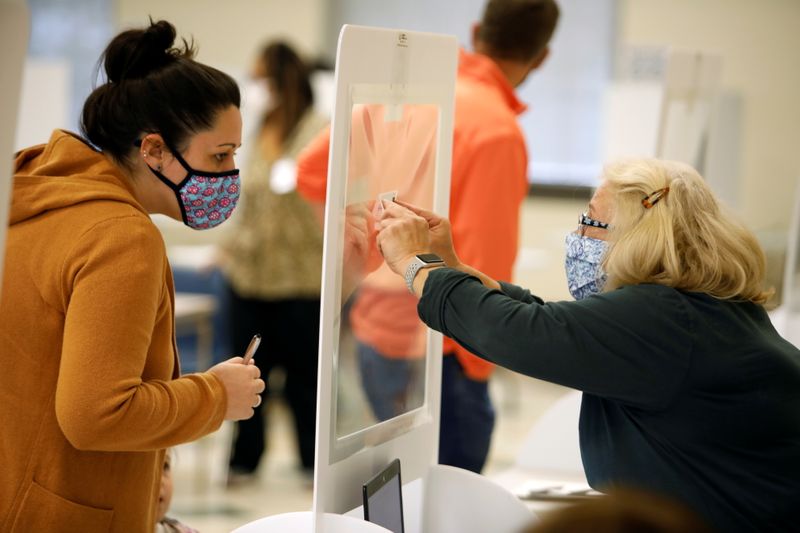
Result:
x=467 y=415
x=466 y=419
x=393 y=386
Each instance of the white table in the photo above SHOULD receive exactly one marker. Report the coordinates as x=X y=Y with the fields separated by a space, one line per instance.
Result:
x=194 y=313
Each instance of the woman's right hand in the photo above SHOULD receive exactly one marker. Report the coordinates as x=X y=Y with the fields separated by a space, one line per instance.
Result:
x=441 y=234
x=439 y=231
x=243 y=387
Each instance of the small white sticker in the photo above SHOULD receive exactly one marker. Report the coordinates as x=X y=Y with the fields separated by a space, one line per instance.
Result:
x=389 y=196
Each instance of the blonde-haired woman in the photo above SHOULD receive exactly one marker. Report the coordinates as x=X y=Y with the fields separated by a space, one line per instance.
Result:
x=688 y=390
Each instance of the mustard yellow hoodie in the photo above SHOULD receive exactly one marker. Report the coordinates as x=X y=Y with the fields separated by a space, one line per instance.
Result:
x=90 y=392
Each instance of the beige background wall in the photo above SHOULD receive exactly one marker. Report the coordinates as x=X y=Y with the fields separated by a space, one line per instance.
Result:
x=229 y=33
x=760 y=44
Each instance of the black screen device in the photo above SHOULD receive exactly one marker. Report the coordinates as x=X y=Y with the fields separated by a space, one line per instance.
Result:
x=383 y=498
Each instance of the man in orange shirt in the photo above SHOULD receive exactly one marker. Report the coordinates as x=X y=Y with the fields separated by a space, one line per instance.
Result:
x=489 y=183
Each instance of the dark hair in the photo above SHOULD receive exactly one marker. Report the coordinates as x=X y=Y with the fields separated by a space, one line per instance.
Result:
x=518 y=29
x=290 y=77
x=153 y=87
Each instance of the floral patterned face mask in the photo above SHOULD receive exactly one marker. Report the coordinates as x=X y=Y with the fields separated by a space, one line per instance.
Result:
x=583 y=263
x=206 y=199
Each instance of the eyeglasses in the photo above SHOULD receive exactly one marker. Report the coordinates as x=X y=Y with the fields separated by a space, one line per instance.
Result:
x=586 y=220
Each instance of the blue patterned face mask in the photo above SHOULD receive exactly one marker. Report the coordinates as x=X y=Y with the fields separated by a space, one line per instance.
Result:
x=206 y=199
x=585 y=275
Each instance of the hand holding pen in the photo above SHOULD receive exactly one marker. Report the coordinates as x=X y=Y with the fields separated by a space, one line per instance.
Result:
x=241 y=379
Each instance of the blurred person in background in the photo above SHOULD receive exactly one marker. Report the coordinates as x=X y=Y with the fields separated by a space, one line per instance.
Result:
x=488 y=184
x=272 y=257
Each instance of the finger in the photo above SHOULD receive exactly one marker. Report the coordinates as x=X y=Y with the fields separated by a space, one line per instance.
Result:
x=237 y=360
x=385 y=223
x=260 y=386
x=255 y=371
x=393 y=209
x=379 y=241
x=258 y=401
x=429 y=216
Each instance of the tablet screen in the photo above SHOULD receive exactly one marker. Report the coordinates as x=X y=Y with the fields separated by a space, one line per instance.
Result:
x=383 y=499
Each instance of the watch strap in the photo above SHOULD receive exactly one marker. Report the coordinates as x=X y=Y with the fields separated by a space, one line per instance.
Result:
x=415 y=266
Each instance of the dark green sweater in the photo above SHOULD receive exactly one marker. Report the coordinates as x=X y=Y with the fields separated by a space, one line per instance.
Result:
x=685 y=395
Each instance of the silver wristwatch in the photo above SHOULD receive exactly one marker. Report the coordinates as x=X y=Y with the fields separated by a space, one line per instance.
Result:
x=420 y=261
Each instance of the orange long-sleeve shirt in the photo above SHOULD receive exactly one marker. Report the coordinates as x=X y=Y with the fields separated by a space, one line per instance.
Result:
x=488 y=184
x=90 y=393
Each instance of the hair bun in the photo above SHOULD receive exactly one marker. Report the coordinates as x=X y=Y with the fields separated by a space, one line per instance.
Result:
x=136 y=53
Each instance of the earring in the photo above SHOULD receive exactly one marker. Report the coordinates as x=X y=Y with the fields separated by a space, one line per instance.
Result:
x=158 y=167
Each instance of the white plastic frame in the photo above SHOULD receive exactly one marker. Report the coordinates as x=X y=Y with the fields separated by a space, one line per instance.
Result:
x=378 y=66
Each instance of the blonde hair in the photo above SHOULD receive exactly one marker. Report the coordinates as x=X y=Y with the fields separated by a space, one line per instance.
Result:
x=685 y=240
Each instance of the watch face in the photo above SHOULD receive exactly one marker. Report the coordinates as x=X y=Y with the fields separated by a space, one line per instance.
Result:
x=430 y=258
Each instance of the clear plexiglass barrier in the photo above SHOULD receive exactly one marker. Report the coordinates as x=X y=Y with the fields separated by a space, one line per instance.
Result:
x=380 y=367
x=380 y=357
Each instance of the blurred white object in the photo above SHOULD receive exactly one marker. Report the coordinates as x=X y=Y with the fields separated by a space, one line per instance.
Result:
x=667 y=103
x=786 y=318
x=549 y=461
x=324 y=86
x=44 y=104
x=662 y=107
x=459 y=501
x=283 y=176
x=553 y=443
x=257 y=97
x=303 y=522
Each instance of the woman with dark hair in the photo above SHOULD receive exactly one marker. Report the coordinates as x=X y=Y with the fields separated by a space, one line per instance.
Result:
x=90 y=387
x=273 y=257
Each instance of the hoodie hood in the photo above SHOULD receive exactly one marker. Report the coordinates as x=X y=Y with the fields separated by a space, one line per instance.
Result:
x=62 y=173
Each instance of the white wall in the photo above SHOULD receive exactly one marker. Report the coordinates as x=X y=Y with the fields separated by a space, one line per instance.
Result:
x=44 y=101
x=230 y=33
x=760 y=45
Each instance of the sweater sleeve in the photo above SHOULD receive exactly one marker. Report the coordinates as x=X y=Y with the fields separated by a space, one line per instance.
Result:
x=632 y=345
x=518 y=293
x=114 y=279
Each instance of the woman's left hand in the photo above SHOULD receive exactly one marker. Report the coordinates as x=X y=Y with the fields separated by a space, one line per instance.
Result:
x=402 y=235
